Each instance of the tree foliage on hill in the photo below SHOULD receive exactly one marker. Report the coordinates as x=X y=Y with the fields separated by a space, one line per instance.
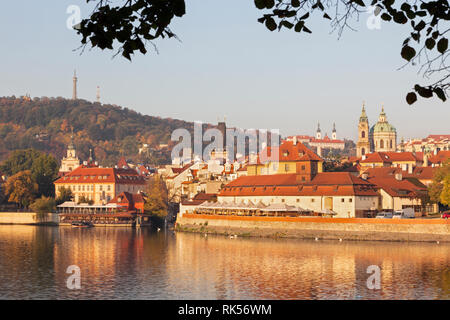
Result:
x=110 y=131
x=135 y=23
x=65 y=194
x=43 y=168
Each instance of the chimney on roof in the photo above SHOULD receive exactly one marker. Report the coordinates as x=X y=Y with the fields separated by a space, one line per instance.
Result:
x=294 y=140
x=425 y=159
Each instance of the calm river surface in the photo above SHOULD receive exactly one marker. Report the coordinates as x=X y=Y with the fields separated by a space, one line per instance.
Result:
x=121 y=263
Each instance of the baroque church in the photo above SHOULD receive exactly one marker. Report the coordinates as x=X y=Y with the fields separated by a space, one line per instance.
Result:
x=381 y=137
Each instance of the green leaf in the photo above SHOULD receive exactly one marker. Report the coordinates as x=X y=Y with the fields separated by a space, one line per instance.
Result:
x=305 y=16
x=442 y=45
x=269 y=3
x=270 y=24
x=411 y=97
x=440 y=93
x=386 y=17
x=305 y=29
x=400 y=17
x=286 y=24
x=408 y=53
x=299 y=26
x=429 y=43
x=424 y=92
x=260 y=4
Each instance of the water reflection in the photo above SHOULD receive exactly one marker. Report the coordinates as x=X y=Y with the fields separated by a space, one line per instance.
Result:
x=119 y=263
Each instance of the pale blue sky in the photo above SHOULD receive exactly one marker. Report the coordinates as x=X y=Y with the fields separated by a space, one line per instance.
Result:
x=227 y=64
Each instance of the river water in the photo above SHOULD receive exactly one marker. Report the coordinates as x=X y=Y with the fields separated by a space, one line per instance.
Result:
x=122 y=263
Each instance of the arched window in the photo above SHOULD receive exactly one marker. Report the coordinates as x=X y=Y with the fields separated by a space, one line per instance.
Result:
x=363 y=151
x=381 y=144
x=363 y=134
x=390 y=144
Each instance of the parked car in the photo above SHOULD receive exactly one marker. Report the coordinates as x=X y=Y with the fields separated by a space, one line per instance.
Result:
x=384 y=215
x=406 y=213
x=446 y=214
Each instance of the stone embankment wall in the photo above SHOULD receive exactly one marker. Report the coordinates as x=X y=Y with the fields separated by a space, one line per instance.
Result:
x=317 y=227
x=28 y=218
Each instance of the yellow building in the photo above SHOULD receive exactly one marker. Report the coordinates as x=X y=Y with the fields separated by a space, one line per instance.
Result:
x=100 y=184
x=292 y=157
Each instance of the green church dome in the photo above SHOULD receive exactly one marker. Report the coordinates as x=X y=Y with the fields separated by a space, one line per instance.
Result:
x=382 y=127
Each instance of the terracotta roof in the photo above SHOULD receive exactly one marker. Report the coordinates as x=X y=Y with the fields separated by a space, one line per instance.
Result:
x=288 y=151
x=84 y=174
x=399 y=188
x=440 y=157
x=326 y=183
x=389 y=157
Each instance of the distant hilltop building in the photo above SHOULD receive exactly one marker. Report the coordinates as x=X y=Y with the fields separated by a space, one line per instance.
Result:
x=382 y=137
x=74 y=88
x=318 y=142
x=432 y=143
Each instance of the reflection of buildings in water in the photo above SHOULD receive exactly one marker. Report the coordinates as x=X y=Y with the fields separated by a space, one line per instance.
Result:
x=101 y=254
x=260 y=268
x=290 y=269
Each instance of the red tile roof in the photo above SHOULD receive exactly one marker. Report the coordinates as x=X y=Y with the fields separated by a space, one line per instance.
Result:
x=288 y=151
x=440 y=157
x=410 y=188
x=389 y=157
x=326 y=183
x=84 y=174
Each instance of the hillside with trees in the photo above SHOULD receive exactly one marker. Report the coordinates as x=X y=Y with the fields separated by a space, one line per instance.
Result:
x=111 y=131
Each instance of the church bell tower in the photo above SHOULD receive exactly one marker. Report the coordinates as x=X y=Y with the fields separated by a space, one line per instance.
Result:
x=363 y=144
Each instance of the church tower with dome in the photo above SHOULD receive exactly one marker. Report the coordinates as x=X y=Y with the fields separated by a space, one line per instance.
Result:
x=383 y=135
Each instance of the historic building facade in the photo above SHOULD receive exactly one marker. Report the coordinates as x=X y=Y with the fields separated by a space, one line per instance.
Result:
x=382 y=137
x=71 y=161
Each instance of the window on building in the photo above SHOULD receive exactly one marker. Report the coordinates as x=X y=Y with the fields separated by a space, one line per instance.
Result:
x=109 y=188
x=350 y=200
x=312 y=200
x=390 y=144
x=363 y=134
x=342 y=200
x=303 y=167
x=298 y=200
x=282 y=200
x=286 y=167
x=381 y=143
x=303 y=179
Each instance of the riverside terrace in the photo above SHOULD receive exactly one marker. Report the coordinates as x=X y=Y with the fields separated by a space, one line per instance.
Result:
x=111 y=214
x=248 y=208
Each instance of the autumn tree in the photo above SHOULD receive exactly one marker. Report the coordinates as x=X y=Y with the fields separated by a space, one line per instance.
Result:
x=21 y=188
x=43 y=205
x=65 y=194
x=43 y=168
x=157 y=200
x=136 y=23
x=439 y=190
